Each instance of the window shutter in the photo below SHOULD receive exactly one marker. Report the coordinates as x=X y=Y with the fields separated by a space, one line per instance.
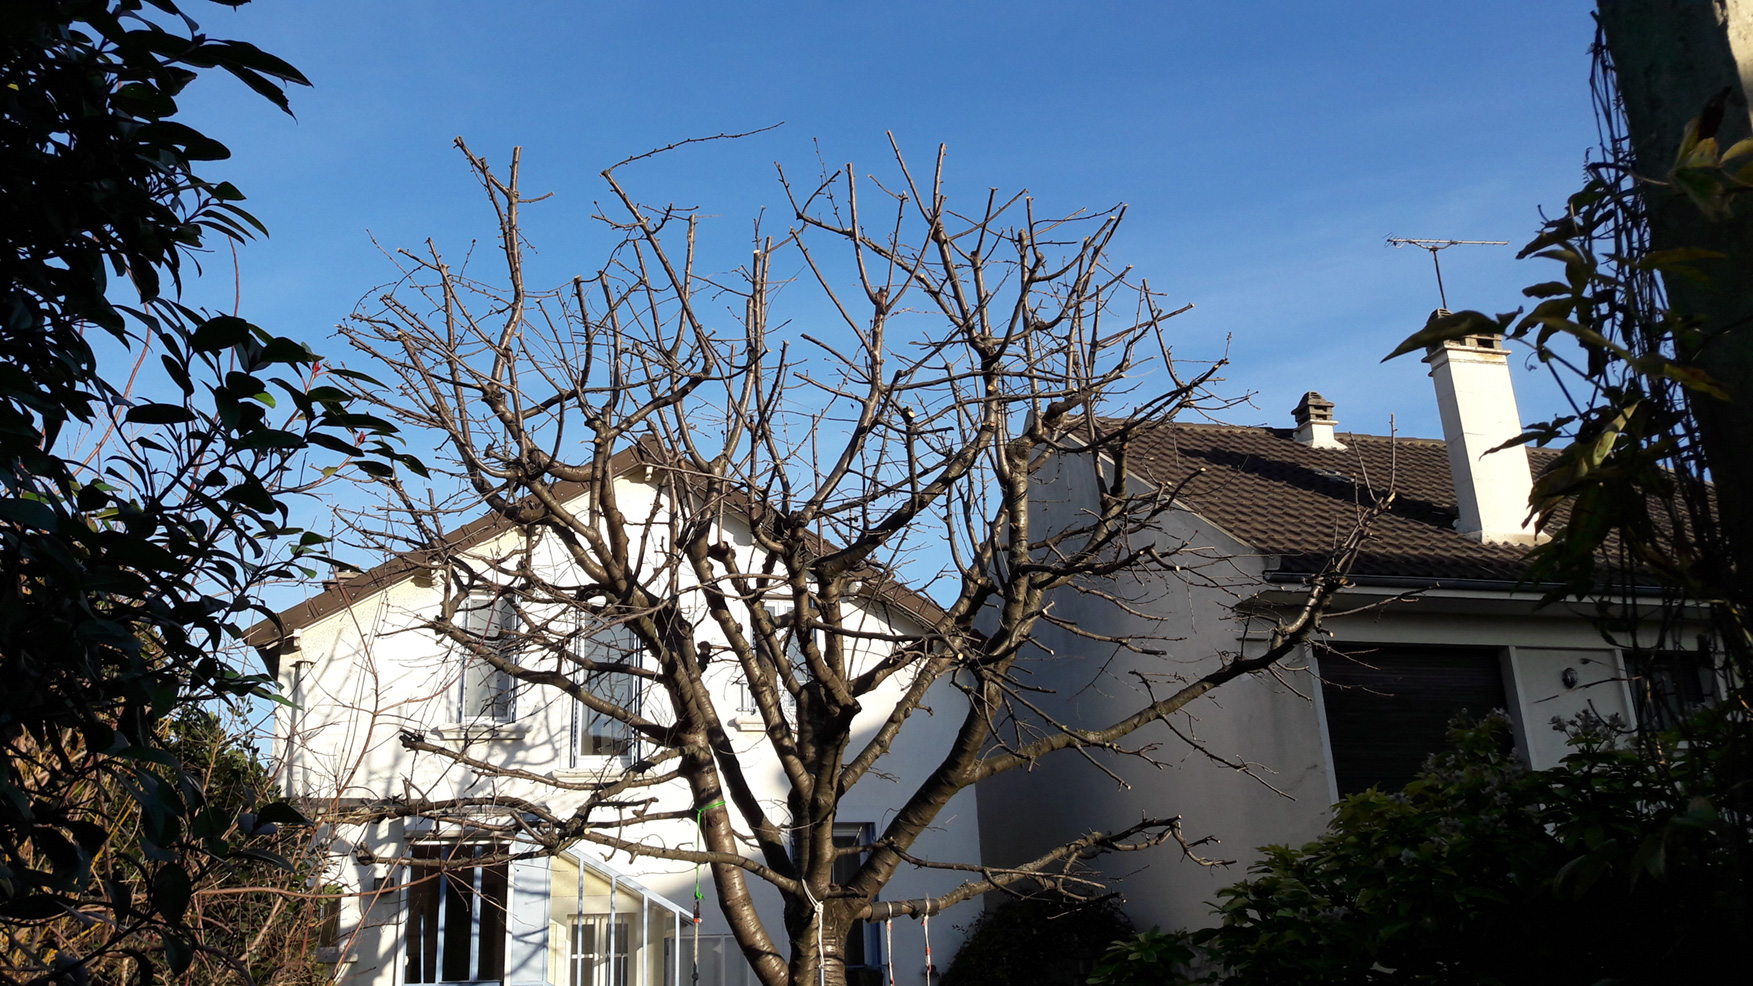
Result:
x=526 y=956
x=1388 y=708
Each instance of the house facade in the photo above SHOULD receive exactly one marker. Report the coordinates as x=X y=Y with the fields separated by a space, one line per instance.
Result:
x=1438 y=618
x=387 y=710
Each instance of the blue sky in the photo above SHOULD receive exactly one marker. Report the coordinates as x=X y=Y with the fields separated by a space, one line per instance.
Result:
x=1264 y=149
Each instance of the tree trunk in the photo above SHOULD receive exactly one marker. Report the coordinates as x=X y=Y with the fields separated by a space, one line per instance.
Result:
x=808 y=966
x=1671 y=58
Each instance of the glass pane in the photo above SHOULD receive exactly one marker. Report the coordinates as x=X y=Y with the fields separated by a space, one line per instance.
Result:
x=620 y=955
x=422 y=925
x=599 y=958
x=1669 y=687
x=604 y=736
x=1388 y=708
x=845 y=869
x=456 y=916
x=457 y=923
x=491 y=914
x=711 y=955
x=487 y=692
x=584 y=953
x=657 y=928
x=601 y=735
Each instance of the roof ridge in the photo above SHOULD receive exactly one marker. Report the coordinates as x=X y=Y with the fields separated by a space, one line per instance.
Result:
x=1284 y=431
x=335 y=595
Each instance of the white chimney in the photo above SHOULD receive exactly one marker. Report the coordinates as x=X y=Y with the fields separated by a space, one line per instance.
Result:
x=1314 y=422
x=1478 y=405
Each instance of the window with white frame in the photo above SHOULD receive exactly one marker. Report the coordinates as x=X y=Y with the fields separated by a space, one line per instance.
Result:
x=456 y=916
x=598 y=951
x=612 y=650
x=487 y=692
x=604 y=930
x=862 y=949
x=748 y=711
x=745 y=699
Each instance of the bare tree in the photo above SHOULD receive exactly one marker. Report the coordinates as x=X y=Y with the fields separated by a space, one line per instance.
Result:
x=965 y=352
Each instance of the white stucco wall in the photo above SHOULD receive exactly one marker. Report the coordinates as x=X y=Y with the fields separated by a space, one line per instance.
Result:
x=1274 y=723
x=362 y=676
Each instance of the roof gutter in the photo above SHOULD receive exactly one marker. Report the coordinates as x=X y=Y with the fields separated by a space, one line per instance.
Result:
x=1426 y=582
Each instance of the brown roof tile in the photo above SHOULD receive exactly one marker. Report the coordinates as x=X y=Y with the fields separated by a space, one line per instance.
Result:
x=1284 y=498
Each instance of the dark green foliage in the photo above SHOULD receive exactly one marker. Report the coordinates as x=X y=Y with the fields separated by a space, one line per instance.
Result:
x=1150 y=958
x=1628 y=502
x=135 y=533
x=273 y=933
x=1631 y=861
x=1037 y=941
x=249 y=911
x=1624 y=863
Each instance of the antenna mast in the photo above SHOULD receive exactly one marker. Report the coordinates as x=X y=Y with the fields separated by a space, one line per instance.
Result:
x=1433 y=246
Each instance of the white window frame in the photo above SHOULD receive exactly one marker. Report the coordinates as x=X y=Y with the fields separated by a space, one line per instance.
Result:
x=478 y=899
x=747 y=716
x=862 y=834
x=630 y=695
x=609 y=966
x=499 y=615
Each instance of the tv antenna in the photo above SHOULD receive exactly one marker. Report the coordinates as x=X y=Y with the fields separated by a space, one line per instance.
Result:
x=1433 y=246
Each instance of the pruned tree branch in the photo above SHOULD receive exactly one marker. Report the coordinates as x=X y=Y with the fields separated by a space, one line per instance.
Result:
x=693 y=502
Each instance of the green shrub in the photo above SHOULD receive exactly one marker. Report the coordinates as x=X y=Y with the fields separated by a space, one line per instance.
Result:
x=1047 y=940
x=1150 y=958
x=1628 y=862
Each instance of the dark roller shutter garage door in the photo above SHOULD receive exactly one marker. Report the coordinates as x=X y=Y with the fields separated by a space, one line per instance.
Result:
x=1389 y=707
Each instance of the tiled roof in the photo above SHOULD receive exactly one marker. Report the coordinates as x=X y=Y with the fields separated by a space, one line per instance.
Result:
x=1287 y=499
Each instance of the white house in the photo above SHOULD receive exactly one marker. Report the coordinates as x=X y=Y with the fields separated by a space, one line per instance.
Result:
x=1258 y=510
x=370 y=681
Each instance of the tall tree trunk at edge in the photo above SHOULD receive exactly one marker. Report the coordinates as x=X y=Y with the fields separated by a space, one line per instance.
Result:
x=1671 y=58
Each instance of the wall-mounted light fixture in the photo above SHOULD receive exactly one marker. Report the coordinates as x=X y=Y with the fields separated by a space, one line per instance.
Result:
x=1568 y=676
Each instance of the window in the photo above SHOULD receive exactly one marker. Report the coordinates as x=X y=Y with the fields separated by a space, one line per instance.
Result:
x=487 y=692
x=456 y=916
x=1388 y=708
x=721 y=963
x=862 y=951
x=328 y=926
x=748 y=710
x=1668 y=687
x=746 y=700
x=328 y=919
x=604 y=930
x=599 y=734
x=597 y=957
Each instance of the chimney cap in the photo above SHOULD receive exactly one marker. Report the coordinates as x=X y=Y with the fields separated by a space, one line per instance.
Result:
x=1313 y=407
x=1314 y=422
x=1487 y=342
